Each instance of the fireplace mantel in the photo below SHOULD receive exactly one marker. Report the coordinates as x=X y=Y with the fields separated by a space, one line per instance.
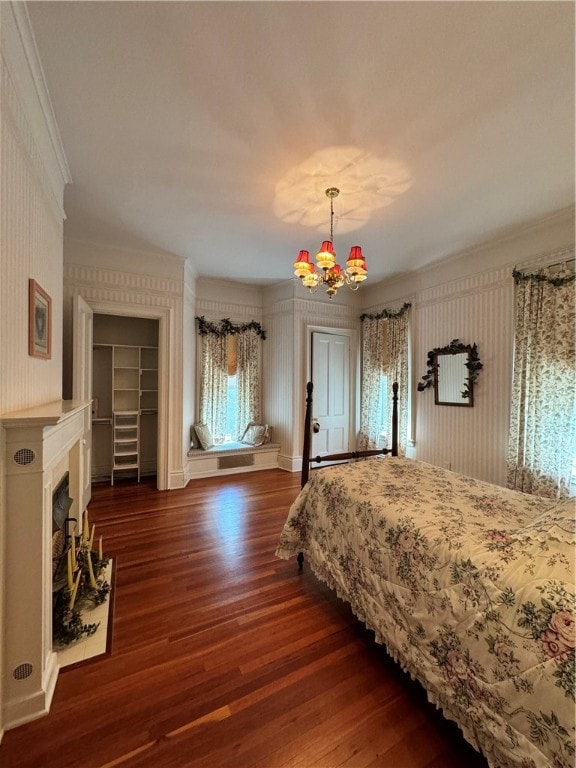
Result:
x=41 y=444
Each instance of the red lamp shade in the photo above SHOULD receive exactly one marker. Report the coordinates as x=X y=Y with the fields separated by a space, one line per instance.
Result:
x=356 y=265
x=302 y=265
x=326 y=257
x=355 y=259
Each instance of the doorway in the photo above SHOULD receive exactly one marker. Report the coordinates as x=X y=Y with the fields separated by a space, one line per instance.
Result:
x=125 y=397
x=82 y=345
x=333 y=388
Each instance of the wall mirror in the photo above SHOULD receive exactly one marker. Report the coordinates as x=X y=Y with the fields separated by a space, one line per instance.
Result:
x=452 y=371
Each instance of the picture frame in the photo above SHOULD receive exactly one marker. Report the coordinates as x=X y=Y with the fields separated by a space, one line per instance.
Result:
x=39 y=321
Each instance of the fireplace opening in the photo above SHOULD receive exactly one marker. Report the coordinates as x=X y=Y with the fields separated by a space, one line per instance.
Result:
x=61 y=535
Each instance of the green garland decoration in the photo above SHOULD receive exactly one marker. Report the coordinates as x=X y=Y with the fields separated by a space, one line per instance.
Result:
x=474 y=365
x=541 y=277
x=67 y=624
x=226 y=327
x=387 y=313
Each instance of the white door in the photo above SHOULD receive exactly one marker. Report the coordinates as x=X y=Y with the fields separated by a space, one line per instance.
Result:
x=82 y=384
x=331 y=394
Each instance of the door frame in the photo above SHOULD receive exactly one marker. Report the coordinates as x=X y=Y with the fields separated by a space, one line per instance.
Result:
x=354 y=371
x=163 y=315
x=82 y=367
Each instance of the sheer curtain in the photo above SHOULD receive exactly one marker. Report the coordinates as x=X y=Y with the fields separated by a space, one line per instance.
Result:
x=385 y=345
x=542 y=441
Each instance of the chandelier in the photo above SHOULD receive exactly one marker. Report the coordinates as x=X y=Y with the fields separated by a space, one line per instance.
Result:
x=330 y=274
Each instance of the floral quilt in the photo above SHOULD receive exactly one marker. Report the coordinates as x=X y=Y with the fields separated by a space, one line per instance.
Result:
x=471 y=587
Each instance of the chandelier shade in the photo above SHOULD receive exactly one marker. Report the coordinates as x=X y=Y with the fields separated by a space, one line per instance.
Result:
x=302 y=264
x=331 y=274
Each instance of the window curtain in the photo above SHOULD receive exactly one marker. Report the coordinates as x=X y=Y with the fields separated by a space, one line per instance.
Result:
x=385 y=351
x=542 y=441
x=248 y=373
x=373 y=364
x=228 y=349
x=214 y=384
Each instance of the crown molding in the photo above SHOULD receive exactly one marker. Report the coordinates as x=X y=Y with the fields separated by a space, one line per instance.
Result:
x=216 y=309
x=24 y=64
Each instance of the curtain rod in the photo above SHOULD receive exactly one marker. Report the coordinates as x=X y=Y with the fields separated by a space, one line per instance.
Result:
x=564 y=263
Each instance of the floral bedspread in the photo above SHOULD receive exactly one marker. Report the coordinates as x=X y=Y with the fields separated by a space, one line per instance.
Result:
x=471 y=587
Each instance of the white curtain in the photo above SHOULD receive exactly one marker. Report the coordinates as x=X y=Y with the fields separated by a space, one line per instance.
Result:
x=214 y=384
x=229 y=349
x=385 y=351
x=373 y=367
x=542 y=441
x=248 y=373
x=397 y=369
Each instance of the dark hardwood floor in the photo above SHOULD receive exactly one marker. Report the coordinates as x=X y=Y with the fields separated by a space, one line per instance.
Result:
x=224 y=655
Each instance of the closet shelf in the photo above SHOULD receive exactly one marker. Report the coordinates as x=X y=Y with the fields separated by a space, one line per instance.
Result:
x=125 y=385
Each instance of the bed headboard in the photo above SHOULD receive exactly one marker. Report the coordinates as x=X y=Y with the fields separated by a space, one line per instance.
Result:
x=307 y=459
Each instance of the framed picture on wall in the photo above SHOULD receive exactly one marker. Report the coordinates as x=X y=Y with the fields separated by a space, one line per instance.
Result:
x=39 y=321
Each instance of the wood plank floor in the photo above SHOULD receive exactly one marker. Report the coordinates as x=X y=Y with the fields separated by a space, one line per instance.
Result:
x=224 y=655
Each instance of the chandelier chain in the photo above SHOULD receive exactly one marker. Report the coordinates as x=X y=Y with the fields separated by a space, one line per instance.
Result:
x=331 y=274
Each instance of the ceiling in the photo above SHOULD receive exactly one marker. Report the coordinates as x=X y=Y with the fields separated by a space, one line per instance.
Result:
x=210 y=130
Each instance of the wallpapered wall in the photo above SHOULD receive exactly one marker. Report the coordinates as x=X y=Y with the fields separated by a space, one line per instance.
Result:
x=471 y=297
x=33 y=173
x=30 y=247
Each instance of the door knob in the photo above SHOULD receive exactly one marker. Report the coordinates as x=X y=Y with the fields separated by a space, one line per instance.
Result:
x=315 y=426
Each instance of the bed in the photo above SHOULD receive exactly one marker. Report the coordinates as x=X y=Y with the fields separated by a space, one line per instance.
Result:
x=469 y=585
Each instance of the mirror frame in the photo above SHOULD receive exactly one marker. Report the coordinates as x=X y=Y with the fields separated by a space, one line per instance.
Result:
x=473 y=365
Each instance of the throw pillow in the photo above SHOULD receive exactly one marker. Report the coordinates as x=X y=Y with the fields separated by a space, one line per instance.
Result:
x=204 y=435
x=255 y=434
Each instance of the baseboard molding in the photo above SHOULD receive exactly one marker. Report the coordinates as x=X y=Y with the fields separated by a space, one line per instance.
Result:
x=289 y=463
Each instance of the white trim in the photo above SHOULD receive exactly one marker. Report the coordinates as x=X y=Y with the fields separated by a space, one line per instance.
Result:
x=24 y=26
x=27 y=103
x=207 y=463
x=164 y=316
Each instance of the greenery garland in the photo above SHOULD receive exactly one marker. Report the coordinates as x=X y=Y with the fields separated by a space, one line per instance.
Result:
x=473 y=364
x=387 y=313
x=67 y=623
x=541 y=277
x=226 y=327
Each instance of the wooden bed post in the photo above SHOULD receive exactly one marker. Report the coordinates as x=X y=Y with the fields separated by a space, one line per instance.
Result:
x=306 y=452
x=307 y=429
x=341 y=456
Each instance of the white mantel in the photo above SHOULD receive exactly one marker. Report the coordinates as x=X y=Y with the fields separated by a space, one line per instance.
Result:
x=41 y=445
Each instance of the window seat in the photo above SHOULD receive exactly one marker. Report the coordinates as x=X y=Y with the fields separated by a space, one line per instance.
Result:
x=231 y=458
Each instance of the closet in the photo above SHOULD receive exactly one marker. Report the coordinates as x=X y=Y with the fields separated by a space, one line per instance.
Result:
x=125 y=392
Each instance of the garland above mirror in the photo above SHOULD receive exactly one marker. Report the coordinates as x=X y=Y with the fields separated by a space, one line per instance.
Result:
x=455 y=347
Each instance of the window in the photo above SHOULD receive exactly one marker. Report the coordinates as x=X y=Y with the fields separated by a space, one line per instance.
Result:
x=542 y=414
x=383 y=438
x=229 y=377
x=231 y=428
x=385 y=359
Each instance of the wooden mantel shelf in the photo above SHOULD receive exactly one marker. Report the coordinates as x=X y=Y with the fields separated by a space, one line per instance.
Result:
x=47 y=414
